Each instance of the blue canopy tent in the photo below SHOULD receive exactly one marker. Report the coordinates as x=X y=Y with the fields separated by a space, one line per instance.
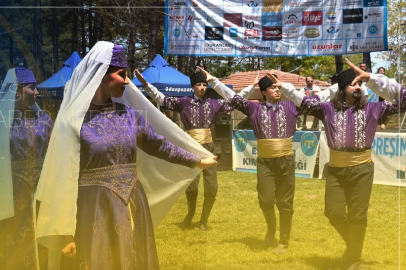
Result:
x=168 y=80
x=53 y=87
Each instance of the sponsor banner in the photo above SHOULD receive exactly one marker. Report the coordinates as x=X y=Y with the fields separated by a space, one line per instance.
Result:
x=234 y=33
x=373 y=30
x=218 y=48
x=292 y=18
x=328 y=4
x=352 y=30
x=233 y=6
x=290 y=48
x=388 y=154
x=373 y=15
x=292 y=33
x=286 y=24
x=353 y=3
x=313 y=32
x=177 y=7
x=213 y=33
x=305 y=148
x=233 y=19
x=214 y=19
x=272 y=33
x=312 y=3
x=251 y=6
x=185 y=47
x=272 y=19
x=332 y=31
x=312 y=17
x=351 y=16
x=332 y=16
x=365 y=45
x=258 y=48
x=333 y=46
x=272 y=6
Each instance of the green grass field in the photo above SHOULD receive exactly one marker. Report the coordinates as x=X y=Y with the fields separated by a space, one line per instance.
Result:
x=237 y=228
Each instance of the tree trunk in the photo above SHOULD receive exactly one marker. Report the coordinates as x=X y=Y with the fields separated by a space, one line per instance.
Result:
x=339 y=63
x=367 y=60
x=152 y=37
x=180 y=63
x=11 y=49
x=75 y=30
x=38 y=66
x=55 y=32
x=82 y=28
x=132 y=39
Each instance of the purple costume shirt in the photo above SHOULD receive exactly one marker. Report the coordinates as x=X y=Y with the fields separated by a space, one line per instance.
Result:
x=268 y=122
x=349 y=129
x=196 y=113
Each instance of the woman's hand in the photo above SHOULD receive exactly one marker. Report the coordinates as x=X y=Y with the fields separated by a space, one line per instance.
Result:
x=140 y=78
x=70 y=249
x=207 y=162
x=362 y=76
x=209 y=77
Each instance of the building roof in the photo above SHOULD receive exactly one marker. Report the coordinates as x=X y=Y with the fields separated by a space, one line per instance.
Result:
x=241 y=80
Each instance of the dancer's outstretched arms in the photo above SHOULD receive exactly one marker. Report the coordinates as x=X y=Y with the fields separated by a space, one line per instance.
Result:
x=151 y=90
x=225 y=91
x=288 y=90
x=387 y=88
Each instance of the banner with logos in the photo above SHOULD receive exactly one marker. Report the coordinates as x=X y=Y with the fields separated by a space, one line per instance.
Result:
x=305 y=148
x=388 y=154
x=275 y=27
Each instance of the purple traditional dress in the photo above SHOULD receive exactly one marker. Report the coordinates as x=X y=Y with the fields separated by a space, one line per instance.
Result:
x=28 y=145
x=114 y=228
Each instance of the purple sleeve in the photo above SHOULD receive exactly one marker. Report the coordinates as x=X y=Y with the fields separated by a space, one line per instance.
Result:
x=312 y=106
x=224 y=106
x=156 y=145
x=173 y=104
x=241 y=104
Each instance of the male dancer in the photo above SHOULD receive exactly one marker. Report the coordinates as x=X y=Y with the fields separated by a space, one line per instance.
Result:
x=274 y=124
x=197 y=114
x=350 y=123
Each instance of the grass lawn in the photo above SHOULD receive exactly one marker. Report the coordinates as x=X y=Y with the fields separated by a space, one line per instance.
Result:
x=237 y=228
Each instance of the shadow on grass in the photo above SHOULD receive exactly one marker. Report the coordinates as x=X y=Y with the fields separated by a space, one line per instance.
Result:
x=251 y=242
x=325 y=263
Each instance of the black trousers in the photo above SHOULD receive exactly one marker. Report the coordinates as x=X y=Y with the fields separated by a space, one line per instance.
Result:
x=276 y=183
x=209 y=177
x=348 y=191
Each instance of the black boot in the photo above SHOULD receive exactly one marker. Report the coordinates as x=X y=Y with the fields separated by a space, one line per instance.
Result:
x=285 y=223
x=270 y=219
x=343 y=230
x=207 y=206
x=191 y=206
x=352 y=256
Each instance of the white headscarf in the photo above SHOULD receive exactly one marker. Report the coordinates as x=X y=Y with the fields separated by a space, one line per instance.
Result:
x=7 y=102
x=57 y=189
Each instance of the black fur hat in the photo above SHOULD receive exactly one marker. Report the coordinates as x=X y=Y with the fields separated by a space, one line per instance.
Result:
x=345 y=77
x=264 y=83
x=197 y=77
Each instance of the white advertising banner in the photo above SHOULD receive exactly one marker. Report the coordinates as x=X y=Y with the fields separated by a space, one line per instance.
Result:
x=388 y=154
x=275 y=27
x=305 y=147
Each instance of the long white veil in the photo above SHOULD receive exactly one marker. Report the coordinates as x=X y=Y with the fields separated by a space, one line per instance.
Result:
x=58 y=185
x=7 y=102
